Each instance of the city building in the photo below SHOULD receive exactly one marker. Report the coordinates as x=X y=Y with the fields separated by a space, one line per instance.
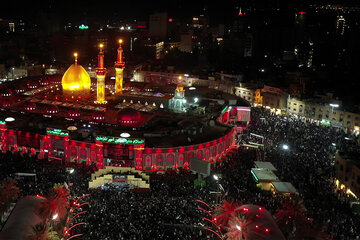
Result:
x=186 y=42
x=246 y=93
x=325 y=111
x=158 y=25
x=271 y=98
x=347 y=168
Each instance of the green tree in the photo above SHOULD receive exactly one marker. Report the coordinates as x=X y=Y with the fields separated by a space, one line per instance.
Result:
x=43 y=231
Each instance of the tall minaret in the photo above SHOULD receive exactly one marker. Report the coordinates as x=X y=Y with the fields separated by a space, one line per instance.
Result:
x=119 y=68
x=100 y=76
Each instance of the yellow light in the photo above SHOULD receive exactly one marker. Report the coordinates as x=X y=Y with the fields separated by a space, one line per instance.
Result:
x=75 y=54
x=72 y=87
x=101 y=45
x=120 y=41
x=348 y=191
x=76 y=81
x=337 y=182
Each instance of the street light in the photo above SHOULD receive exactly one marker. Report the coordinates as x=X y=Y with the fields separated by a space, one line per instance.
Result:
x=238 y=227
x=285 y=147
x=9 y=119
x=55 y=216
x=216 y=177
x=333 y=105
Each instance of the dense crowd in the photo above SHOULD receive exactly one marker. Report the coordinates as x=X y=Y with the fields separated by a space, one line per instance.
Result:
x=170 y=209
x=308 y=164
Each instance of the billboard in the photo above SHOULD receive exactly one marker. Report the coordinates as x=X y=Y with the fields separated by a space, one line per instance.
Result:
x=272 y=90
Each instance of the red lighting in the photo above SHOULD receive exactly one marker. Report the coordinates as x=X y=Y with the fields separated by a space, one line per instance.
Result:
x=141 y=26
x=39 y=196
x=170 y=19
x=302 y=13
x=245 y=209
x=267 y=230
x=257 y=226
x=260 y=209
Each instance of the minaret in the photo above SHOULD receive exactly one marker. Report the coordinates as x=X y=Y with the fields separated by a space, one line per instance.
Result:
x=100 y=76
x=119 y=68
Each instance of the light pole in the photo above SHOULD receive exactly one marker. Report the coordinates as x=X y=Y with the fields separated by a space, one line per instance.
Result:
x=333 y=105
x=284 y=147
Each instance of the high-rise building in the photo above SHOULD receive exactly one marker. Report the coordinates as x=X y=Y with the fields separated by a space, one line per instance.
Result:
x=158 y=25
x=186 y=41
x=340 y=25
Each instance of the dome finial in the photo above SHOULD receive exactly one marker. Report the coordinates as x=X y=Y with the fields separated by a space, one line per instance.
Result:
x=101 y=46
x=76 y=57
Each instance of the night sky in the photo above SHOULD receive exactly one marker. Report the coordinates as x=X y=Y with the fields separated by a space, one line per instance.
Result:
x=80 y=10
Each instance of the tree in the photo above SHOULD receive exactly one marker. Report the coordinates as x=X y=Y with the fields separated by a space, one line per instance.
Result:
x=223 y=213
x=55 y=203
x=292 y=220
x=9 y=192
x=43 y=231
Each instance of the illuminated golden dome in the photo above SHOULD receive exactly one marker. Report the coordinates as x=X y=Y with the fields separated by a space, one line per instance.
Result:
x=76 y=81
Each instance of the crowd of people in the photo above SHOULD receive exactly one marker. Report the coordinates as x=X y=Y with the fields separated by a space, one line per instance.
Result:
x=170 y=209
x=308 y=163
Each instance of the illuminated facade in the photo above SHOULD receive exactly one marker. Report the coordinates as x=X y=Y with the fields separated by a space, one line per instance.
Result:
x=119 y=68
x=57 y=144
x=76 y=81
x=177 y=103
x=66 y=125
x=100 y=76
x=347 y=173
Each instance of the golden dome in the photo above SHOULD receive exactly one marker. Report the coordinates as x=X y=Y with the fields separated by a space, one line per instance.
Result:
x=76 y=81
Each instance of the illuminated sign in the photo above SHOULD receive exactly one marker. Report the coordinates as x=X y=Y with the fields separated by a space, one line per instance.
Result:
x=82 y=27
x=325 y=122
x=254 y=175
x=57 y=132
x=118 y=140
x=2 y=122
x=224 y=109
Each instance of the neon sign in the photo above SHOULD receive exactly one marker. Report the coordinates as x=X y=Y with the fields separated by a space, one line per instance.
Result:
x=118 y=140
x=82 y=27
x=224 y=109
x=57 y=132
x=254 y=175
